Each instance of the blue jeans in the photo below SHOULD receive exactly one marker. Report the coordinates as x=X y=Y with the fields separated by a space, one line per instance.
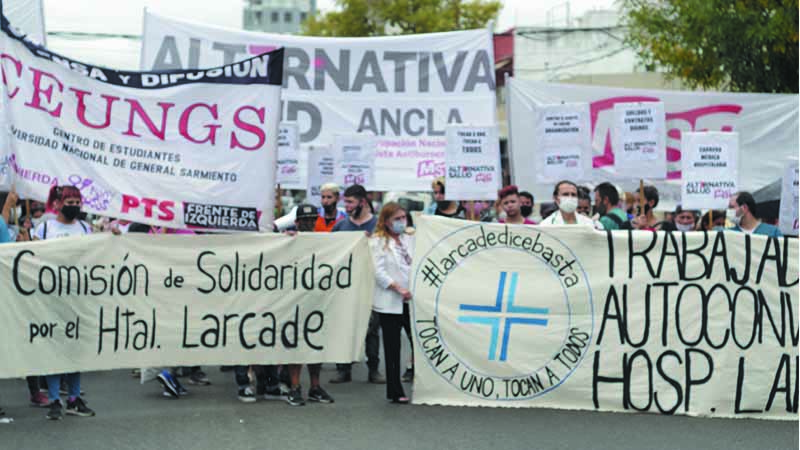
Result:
x=54 y=383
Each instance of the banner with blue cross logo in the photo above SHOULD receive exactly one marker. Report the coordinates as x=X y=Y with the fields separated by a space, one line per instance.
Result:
x=569 y=317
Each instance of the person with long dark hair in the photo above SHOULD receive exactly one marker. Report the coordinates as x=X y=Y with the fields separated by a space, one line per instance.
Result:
x=392 y=251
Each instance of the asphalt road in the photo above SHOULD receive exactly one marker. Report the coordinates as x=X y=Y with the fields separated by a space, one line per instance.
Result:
x=134 y=416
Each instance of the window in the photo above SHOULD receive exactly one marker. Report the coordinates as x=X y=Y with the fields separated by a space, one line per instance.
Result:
x=275 y=16
x=287 y=17
x=303 y=16
x=257 y=17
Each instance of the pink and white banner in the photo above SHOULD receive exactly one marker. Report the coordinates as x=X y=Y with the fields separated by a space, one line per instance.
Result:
x=182 y=149
x=766 y=123
x=404 y=90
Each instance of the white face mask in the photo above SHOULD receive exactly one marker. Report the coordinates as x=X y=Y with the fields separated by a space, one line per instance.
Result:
x=399 y=226
x=732 y=217
x=684 y=227
x=568 y=204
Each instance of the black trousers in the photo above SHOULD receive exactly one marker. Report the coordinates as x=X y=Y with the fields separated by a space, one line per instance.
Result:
x=391 y=324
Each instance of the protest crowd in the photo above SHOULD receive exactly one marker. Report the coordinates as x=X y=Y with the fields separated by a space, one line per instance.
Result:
x=287 y=201
x=390 y=229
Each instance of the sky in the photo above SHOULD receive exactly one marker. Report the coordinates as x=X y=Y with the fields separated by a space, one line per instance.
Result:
x=104 y=16
x=125 y=17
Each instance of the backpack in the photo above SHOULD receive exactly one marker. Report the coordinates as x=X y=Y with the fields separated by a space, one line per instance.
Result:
x=622 y=224
x=44 y=231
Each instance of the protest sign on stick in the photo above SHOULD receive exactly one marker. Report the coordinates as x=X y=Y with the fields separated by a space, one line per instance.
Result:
x=640 y=139
x=322 y=162
x=710 y=169
x=563 y=143
x=356 y=160
x=288 y=174
x=473 y=163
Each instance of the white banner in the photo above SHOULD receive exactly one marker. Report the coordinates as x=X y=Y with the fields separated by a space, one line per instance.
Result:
x=402 y=89
x=710 y=169
x=356 y=160
x=322 y=161
x=766 y=123
x=28 y=16
x=572 y=318
x=106 y=302
x=473 y=163
x=289 y=173
x=563 y=143
x=185 y=149
x=640 y=140
x=788 y=215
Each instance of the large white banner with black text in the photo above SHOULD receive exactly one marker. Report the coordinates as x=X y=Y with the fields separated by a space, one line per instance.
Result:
x=105 y=302
x=572 y=318
x=402 y=89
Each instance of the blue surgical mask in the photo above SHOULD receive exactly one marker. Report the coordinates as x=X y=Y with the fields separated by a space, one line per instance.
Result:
x=399 y=226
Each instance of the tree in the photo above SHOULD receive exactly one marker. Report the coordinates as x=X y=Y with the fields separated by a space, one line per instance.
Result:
x=736 y=45
x=382 y=17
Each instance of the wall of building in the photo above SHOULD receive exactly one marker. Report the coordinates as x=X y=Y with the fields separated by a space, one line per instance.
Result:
x=277 y=16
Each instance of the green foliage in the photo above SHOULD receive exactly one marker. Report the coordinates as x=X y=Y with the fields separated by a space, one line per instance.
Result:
x=736 y=45
x=381 y=17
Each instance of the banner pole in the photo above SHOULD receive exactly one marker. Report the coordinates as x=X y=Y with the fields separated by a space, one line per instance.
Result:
x=278 y=202
x=641 y=196
x=710 y=219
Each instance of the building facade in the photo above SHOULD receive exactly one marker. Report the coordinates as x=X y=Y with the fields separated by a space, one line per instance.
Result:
x=277 y=16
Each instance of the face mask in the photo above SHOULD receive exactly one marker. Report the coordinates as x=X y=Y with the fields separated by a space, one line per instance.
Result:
x=568 y=204
x=600 y=210
x=526 y=210
x=357 y=212
x=399 y=226
x=329 y=209
x=732 y=217
x=502 y=215
x=70 y=212
x=684 y=228
x=35 y=222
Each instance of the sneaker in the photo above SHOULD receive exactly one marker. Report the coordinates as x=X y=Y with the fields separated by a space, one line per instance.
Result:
x=375 y=377
x=246 y=395
x=295 y=397
x=168 y=382
x=199 y=378
x=55 y=412
x=408 y=376
x=181 y=390
x=40 y=400
x=136 y=373
x=279 y=392
x=342 y=377
x=318 y=394
x=79 y=408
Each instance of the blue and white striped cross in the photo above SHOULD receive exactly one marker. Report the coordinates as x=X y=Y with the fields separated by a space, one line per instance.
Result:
x=503 y=314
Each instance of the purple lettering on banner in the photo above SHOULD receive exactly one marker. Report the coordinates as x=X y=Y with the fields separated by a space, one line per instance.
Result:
x=673 y=154
x=31 y=175
x=92 y=195
x=430 y=168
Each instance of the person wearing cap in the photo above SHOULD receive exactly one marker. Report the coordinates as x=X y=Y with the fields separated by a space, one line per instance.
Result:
x=328 y=214
x=306 y=219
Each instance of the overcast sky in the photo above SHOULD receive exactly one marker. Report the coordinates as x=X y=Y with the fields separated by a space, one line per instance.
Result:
x=114 y=16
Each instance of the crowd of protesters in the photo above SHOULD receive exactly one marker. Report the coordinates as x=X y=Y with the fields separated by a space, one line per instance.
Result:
x=391 y=236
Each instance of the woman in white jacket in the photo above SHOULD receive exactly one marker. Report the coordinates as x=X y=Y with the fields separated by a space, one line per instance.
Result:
x=392 y=251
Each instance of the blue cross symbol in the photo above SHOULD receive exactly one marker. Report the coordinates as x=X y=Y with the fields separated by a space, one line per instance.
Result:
x=501 y=316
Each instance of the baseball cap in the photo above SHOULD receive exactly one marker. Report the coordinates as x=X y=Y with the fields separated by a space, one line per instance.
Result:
x=306 y=211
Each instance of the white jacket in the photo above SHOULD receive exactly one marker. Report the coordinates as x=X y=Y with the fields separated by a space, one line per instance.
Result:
x=390 y=267
x=557 y=219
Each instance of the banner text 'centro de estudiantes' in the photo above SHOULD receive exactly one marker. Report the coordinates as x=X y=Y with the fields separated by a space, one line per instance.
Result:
x=182 y=148
x=105 y=302
x=572 y=318
x=404 y=90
